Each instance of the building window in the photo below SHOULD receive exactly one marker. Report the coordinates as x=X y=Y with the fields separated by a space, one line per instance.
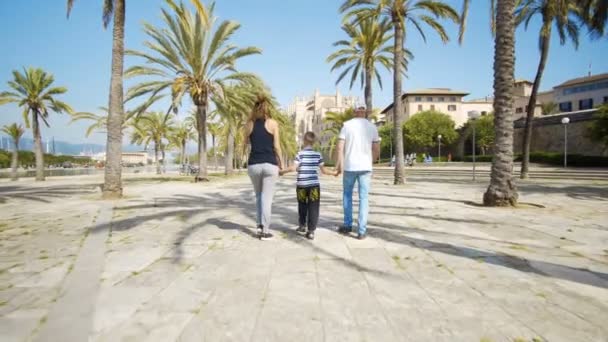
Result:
x=441 y=99
x=605 y=99
x=453 y=98
x=585 y=87
x=565 y=106
x=420 y=108
x=585 y=104
x=432 y=107
x=452 y=108
x=429 y=99
x=418 y=99
x=519 y=110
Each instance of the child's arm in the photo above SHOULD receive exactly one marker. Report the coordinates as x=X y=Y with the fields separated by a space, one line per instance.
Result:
x=292 y=168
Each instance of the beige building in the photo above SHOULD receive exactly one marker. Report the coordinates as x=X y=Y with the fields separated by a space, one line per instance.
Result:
x=444 y=100
x=573 y=95
x=581 y=93
x=127 y=157
x=308 y=113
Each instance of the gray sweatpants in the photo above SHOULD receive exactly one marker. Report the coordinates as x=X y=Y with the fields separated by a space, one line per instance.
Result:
x=263 y=177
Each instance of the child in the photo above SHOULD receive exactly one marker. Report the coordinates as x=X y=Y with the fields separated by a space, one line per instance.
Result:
x=307 y=164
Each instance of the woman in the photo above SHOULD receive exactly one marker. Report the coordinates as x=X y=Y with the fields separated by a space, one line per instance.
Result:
x=262 y=134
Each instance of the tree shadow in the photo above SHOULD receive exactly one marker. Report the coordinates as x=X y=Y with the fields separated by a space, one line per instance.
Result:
x=44 y=194
x=579 y=192
x=543 y=268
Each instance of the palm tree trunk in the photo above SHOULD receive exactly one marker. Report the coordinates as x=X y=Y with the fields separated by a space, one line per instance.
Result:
x=112 y=187
x=502 y=191
x=544 y=52
x=38 y=147
x=368 y=90
x=183 y=154
x=156 y=159
x=162 y=154
x=201 y=112
x=229 y=158
x=15 y=161
x=397 y=105
x=214 y=152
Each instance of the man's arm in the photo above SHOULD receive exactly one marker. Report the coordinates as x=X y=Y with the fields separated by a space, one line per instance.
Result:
x=375 y=151
x=339 y=156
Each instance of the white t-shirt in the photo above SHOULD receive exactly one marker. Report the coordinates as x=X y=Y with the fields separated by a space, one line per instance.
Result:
x=358 y=134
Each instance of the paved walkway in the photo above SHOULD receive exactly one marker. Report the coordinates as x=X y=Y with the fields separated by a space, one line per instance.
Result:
x=177 y=261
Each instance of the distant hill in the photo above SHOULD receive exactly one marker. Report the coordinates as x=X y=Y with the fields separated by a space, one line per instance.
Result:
x=62 y=147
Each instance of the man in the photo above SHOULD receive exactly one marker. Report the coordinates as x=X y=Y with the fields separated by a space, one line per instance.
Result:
x=358 y=148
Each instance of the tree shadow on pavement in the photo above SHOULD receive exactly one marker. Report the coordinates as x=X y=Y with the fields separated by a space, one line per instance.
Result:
x=44 y=194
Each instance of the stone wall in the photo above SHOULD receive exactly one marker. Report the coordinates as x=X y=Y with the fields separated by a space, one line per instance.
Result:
x=548 y=135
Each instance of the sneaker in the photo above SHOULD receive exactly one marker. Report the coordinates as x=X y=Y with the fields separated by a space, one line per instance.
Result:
x=260 y=229
x=266 y=236
x=345 y=230
x=310 y=235
x=301 y=229
x=361 y=236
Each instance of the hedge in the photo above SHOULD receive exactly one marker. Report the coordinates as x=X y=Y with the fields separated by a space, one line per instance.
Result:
x=550 y=158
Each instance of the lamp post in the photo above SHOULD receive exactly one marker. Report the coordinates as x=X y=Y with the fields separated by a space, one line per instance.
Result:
x=439 y=148
x=565 y=122
x=473 y=115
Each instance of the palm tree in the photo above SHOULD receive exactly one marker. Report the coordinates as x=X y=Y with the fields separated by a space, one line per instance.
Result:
x=595 y=15
x=15 y=132
x=112 y=187
x=564 y=14
x=180 y=137
x=335 y=122
x=549 y=108
x=502 y=191
x=401 y=13
x=190 y=57
x=152 y=128
x=34 y=92
x=100 y=122
x=233 y=109
x=366 y=48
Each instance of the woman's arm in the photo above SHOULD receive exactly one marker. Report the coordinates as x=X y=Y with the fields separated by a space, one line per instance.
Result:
x=246 y=133
x=277 y=144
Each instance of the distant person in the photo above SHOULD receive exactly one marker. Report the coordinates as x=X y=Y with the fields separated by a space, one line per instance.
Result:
x=358 y=148
x=449 y=157
x=307 y=163
x=261 y=132
x=393 y=160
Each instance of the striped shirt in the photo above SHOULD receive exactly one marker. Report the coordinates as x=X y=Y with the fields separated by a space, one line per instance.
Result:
x=308 y=162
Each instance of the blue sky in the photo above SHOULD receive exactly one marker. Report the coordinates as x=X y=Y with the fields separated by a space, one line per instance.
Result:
x=296 y=37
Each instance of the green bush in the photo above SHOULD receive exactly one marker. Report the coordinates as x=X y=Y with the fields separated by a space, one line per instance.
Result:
x=478 y=158
x=580 y=160
x=5 y=160
x=551 y=158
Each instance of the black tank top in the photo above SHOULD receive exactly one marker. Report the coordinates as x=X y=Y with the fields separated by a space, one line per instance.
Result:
x=262 y=145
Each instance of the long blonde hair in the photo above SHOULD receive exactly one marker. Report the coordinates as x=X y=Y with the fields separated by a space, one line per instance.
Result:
x=262 y=108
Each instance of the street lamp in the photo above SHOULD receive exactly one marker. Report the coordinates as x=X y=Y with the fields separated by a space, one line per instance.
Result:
x=565 y=122
x=473 y=115
x=439 y=148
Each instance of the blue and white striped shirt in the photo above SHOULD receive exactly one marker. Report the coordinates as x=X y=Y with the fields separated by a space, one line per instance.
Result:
x=308 y=162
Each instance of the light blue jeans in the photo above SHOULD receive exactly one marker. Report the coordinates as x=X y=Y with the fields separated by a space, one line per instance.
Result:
x=363 y=179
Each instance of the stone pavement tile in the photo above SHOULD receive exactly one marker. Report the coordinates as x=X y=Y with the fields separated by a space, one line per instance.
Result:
x=291 y=308
x=329 y=244
x=16 y=298
x=116 y=304
x=19 y=325
x=231 y=312
x=153 y=326
x=50 y=277
x=350 y=311
x=160 y=273
x=132 y=258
